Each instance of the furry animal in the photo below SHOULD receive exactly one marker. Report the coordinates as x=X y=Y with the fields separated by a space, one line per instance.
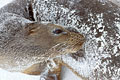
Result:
x=25 y=43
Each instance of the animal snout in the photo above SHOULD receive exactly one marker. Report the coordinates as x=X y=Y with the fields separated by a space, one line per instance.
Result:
x=81 y=38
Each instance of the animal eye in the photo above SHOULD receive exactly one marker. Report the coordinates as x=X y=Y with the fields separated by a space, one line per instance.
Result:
x=57 y=31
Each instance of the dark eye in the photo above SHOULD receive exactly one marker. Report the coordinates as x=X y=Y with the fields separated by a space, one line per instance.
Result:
x=57 y=31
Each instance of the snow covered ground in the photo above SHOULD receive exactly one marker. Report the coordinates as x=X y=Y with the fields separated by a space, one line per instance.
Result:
x=5 y=75
x=4 y=2
x=67 y=74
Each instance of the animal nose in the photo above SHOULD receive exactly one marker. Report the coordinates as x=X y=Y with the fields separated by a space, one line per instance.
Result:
x=83 y=38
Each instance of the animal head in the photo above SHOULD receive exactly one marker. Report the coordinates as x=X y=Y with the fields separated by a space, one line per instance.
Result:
x=35 y=42
x=53 y=38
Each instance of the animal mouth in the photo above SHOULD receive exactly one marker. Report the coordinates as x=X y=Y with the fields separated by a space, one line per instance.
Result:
x=61 y=48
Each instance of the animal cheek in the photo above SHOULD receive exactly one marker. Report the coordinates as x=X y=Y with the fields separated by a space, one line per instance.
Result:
x=61 y=38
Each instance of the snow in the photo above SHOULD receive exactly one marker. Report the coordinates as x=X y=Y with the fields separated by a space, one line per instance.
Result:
x=4 y=2
x=117 y=2
x=70 y=76
x=66 y=74
x=5 y=75
x=81 y=67
x=93 y=54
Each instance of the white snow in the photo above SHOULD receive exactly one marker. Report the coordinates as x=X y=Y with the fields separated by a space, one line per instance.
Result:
x=81 y=67
x=4 y=2
x=4 y=75
x=67 y=74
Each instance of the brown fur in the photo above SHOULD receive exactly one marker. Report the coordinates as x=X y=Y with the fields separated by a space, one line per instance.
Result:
x=37 y=43
x=71 y=38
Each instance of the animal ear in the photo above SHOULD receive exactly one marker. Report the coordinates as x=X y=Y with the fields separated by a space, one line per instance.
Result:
x=31 y=28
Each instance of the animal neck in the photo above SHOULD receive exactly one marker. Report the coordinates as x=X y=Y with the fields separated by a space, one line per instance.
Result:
x=16 y=57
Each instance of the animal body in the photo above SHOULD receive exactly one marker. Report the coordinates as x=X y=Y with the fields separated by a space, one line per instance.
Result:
x=38 y=42
x=25 y=43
